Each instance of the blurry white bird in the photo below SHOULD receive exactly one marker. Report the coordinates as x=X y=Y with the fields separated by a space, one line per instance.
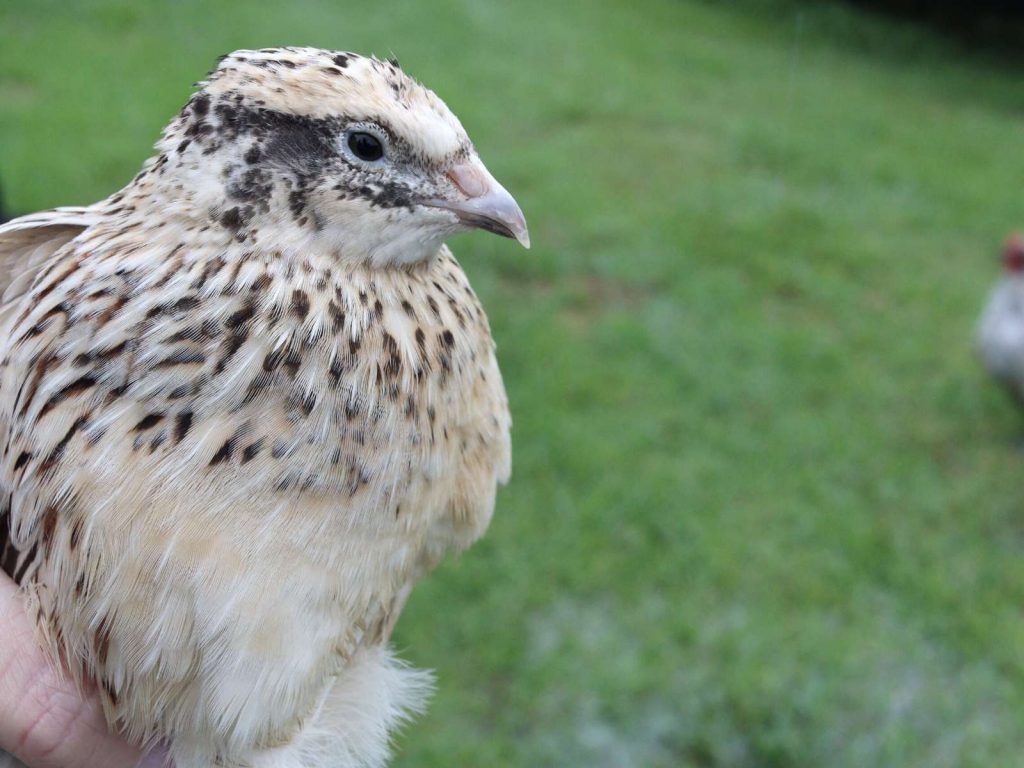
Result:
x=1000 y=335
x=246 y=403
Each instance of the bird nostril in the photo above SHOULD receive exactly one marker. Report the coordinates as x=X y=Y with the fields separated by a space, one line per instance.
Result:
x=468 y=179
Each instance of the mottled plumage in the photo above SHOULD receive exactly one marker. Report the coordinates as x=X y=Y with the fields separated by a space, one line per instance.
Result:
x=246 y=403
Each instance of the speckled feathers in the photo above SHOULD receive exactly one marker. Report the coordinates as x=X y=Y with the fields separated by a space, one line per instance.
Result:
x=310 y=83
x=245 y=404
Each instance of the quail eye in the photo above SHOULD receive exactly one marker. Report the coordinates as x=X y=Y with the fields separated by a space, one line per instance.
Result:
x=365 y=146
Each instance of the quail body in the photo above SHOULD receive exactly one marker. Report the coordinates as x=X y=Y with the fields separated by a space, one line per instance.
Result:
x=246 y=403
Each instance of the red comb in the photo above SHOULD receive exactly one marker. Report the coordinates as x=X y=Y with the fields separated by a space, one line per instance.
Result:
x=1013 y=253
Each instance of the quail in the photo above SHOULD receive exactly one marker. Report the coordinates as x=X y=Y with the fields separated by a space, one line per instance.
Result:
x=246 y=402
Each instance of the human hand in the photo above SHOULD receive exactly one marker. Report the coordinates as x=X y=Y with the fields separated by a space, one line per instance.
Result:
x=44 y=720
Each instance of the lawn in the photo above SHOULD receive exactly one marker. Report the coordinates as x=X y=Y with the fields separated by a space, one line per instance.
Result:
x=766 y=509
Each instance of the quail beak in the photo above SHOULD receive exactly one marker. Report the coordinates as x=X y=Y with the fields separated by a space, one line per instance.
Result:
x=487 y=205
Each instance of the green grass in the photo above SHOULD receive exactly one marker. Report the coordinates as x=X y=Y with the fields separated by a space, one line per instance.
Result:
x=766 y=510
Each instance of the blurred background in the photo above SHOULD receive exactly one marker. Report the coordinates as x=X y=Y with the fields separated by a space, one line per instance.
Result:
x=766 y=507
